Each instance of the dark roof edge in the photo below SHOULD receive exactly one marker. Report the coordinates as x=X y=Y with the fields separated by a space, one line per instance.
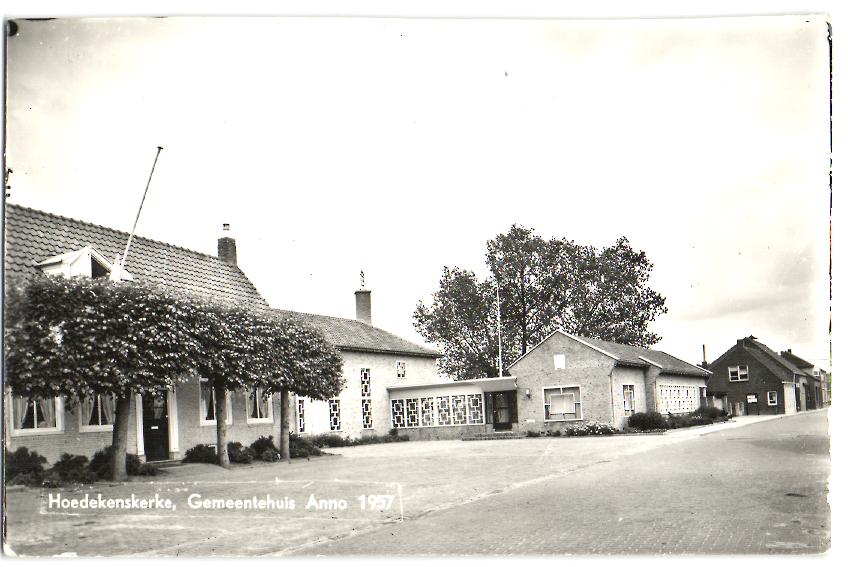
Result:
x=389 y=351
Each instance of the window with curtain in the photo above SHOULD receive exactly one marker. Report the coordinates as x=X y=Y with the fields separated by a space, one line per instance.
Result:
x=207 y=404
x=35 y=414
x=97 y=413
x=258 y=406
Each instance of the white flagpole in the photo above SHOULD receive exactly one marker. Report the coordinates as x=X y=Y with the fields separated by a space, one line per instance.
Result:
x=138 y=214
x=500 y=345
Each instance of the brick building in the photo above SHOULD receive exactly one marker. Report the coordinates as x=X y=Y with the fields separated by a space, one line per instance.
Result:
x=563 y=380
x=756 y=380
x=37 y=242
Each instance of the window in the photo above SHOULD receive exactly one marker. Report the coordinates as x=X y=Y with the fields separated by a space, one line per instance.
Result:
x=207 y=404
x=628 y=391
x=367 y=421
x=738 y=373
x=677 y=399
x=401 y=369
x=259 y=407
x=563 y=403
x=559 y=361
x=365 y=382
x=463 y=409
x=335 y=415
x=97 y=413
x=772 y=398
x=301 y=416
x=35 y=416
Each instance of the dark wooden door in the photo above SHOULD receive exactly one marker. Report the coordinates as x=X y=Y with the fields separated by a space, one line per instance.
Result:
x=155 y=424
x=504 y=410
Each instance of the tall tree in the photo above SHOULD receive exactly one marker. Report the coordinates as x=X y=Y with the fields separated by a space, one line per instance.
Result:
x=81 y=337
x=544 y=285
x=461 y=320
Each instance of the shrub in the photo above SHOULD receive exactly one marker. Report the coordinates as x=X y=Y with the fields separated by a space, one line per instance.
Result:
x=647 y=421
x=201 y=454
x=27 y=479
x=51 y=480
x=533 y=434
x=555 y=433
x=301 y=447
x=263 y=444
x=331 y=440
x=73 y=468
x=238 y=453
x=101 y=464
x=270 y=455
x=24 y=462
x=393 y=431
x=709 y=412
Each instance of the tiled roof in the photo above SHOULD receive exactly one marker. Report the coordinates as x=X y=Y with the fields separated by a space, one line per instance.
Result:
x=33 y=236
x=772 y=360
x=630 y=355
x=353 y=335
x=796 y=360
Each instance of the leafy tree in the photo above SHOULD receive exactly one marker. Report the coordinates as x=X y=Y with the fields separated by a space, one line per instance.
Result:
x=82 y=337
x=462 y=321
x=543 y=285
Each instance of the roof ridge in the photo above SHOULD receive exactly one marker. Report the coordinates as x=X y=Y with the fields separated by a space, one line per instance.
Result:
x=102 y=227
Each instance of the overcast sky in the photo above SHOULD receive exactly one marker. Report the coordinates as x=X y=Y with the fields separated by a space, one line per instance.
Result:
x=400 y=146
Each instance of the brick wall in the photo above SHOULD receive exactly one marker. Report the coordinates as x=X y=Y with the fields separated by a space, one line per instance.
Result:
x=586 y=367
x=761 y=380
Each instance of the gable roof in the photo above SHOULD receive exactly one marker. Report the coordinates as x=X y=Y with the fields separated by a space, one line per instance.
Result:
x=32 y=236
x=775 y=363
x=633 y=356
x=353 y=335
x=796 y=360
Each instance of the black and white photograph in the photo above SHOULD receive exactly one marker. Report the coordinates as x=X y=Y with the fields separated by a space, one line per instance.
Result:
x=368 y=285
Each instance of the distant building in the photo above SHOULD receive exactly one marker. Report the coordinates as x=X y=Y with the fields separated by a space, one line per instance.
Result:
x=811 y=370
x=755 y=380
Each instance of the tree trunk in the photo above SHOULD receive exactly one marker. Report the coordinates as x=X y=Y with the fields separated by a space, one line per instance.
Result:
x=119 y=438
x=285 y=450
x=221 y=424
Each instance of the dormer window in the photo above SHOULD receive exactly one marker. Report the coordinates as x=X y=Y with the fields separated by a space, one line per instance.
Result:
x=86 y=262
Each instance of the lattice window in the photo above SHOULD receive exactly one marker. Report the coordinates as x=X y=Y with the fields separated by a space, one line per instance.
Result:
x=475 y=409
x=459 y=411
x=301 y=416
x=367 y=422
x=365 y=382
x=401 y=369
x=444 y=408
x=335 y=415
x=398 y=411
x=427 y=417
x=412 y=412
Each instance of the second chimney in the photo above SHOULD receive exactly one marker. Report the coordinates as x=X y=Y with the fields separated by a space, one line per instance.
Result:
x=227 y=247
x=363 y=305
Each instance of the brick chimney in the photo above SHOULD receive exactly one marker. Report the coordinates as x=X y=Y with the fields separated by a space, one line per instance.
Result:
x=363 y=301
x=227 y=247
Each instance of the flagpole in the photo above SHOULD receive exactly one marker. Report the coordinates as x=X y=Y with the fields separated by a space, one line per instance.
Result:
x=138 y=214
x=500 y=345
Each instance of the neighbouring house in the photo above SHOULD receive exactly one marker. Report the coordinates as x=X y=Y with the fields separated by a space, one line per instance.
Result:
x=563 y=380
x=755 y=380
x=38 y=242
x=812 y=370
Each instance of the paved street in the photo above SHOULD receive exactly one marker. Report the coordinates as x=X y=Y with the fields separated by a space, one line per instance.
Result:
x=755 y=489
x=720 y=488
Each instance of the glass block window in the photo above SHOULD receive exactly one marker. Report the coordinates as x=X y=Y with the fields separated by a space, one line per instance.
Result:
x=563 y=403
x=365 y=382
x=427 y=417
x=444 y=410
x=458 y=410
x=475 y=409
x=677 y=399
x=401 y=369
x=398 y=413
x=335 y=415
x=301 y=416
x=412 y=412
x=367 y=421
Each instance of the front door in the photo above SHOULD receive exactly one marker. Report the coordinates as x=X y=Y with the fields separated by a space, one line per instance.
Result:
x=154 y=416
x=504 y=411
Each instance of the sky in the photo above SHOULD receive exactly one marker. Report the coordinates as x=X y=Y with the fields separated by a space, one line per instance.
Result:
x=399 y=146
